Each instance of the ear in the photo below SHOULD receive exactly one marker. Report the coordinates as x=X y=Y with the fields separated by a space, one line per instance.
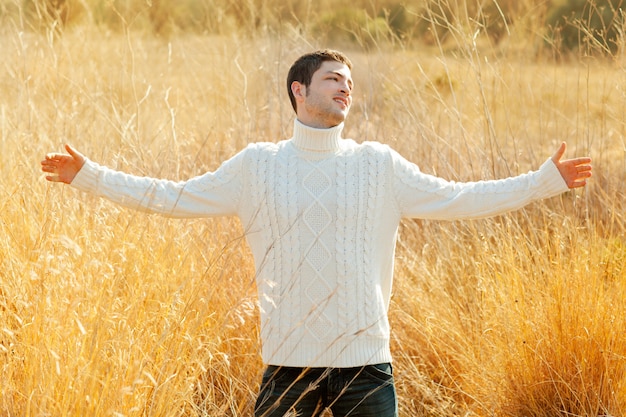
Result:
x=298 y=90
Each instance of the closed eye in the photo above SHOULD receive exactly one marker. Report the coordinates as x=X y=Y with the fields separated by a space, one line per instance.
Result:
x=339 y=77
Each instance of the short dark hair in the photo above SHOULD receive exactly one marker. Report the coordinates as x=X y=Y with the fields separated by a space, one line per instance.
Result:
x=304 y=67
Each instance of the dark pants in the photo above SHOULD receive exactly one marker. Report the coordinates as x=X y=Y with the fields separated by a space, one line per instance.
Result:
x=366 y=391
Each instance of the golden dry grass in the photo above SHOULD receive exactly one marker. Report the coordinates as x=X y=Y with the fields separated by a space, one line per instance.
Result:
x=105 y=311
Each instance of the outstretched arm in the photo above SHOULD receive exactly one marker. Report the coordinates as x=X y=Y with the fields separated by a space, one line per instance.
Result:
x=426 y=196
x=212 y=194
x=574 y=171
x=63 y=167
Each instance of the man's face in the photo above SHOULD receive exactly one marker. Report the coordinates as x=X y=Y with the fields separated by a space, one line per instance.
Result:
x=326 y=101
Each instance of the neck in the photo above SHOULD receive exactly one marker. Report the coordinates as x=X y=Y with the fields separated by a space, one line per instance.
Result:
x=312 y=139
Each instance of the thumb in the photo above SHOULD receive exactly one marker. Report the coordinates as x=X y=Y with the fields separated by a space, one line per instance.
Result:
x=75 y=154
x=559 y=153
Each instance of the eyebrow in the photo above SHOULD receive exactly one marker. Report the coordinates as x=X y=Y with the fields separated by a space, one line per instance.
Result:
x=342 y=75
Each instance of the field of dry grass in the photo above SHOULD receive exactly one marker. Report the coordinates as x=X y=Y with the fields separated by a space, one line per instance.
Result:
x=109 y=312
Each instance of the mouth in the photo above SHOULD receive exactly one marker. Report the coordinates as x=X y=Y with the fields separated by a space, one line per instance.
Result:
x=343 y=101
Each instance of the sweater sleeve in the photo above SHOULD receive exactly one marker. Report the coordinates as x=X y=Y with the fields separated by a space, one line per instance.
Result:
x=212 y=194
x=425 y=196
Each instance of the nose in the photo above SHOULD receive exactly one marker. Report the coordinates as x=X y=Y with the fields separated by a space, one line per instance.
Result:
x=345 y=88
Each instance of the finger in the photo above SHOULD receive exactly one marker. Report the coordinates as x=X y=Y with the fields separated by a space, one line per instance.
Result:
x=580 y=180
x=53 y=156
x=73 y=152
x=577 y=184
x=48 y=164
x=559 y=152
x=578 y=161
x=53 y=178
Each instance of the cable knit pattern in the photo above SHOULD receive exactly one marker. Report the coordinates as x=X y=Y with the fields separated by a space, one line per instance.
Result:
x=375 y=197
x=317 y=218
x=321 y=214
x=345 y=237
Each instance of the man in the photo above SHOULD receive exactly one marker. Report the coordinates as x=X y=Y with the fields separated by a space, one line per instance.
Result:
x=321 y=214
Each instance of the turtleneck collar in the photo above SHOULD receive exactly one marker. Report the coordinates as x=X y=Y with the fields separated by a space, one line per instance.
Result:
x=310 y=139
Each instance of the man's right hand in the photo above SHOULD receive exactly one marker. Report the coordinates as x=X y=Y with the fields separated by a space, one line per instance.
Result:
x=63 y=167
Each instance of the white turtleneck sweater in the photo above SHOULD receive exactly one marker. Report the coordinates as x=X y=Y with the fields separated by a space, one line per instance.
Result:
x=321 y=214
